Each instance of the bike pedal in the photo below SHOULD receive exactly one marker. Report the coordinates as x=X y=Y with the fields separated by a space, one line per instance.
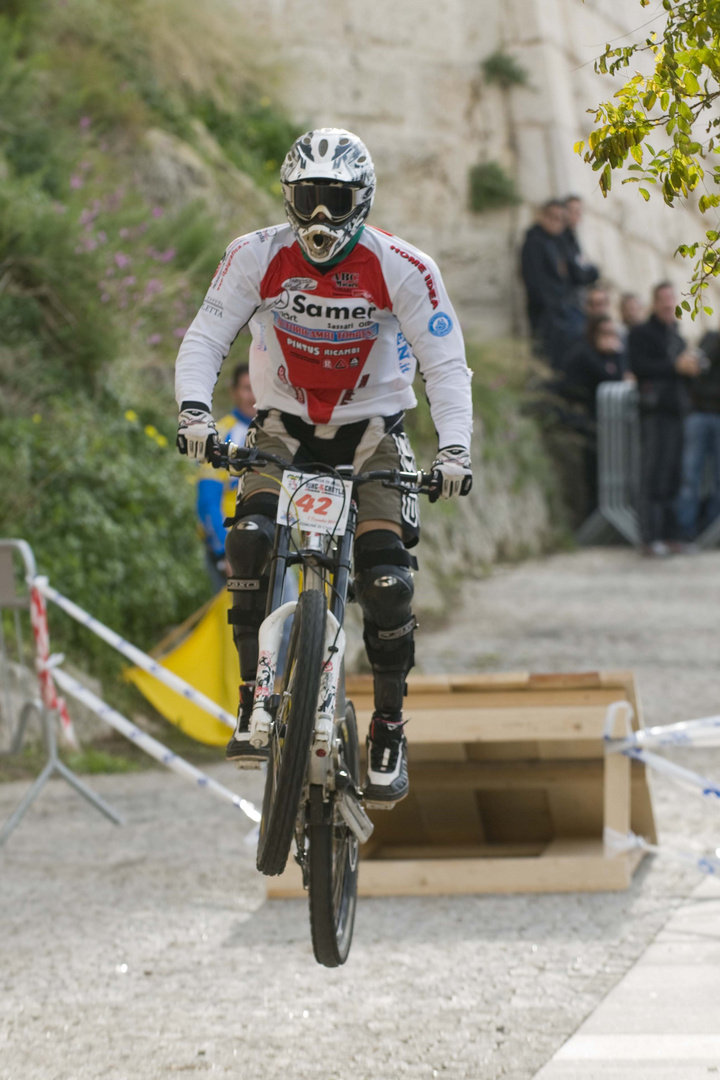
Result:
x=246 y=765
x=379 y=805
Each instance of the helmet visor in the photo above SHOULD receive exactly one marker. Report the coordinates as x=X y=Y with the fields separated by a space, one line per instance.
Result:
x=336 y=201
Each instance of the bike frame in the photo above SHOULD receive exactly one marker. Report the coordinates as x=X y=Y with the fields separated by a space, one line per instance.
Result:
x=318 y=564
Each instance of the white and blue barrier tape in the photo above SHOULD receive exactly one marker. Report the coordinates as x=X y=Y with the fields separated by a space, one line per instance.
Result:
x=634 y=745
x=150 y=745
x=139 y=658
x=617 y=844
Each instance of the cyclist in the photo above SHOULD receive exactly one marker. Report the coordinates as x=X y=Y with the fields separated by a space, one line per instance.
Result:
x=341 y=315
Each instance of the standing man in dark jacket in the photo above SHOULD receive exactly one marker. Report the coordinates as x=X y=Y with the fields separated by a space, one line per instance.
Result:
x=702 y=440
x=581 y=270
x=548 y=283
x=662 y=364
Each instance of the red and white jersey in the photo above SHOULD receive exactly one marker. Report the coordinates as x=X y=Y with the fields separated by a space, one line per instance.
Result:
x=333 y=346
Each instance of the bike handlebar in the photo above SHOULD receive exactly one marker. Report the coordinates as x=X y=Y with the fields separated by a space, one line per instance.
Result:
x=230 y=456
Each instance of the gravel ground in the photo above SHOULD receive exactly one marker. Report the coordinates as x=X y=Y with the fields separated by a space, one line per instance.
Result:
x=149 y=950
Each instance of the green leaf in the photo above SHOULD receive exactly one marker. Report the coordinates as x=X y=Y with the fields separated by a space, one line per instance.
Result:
x=645 y=193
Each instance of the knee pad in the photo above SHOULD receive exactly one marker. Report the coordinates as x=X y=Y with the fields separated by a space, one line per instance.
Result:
x=384 y=589
x=248 y=546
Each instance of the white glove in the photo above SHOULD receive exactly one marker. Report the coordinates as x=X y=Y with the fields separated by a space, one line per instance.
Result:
x=196 y=432
x=453 y=465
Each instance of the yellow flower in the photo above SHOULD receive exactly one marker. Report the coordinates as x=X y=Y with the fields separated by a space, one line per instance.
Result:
x=151 y=431
x=37 y=418
x=131 y=416
x=265 y=102
x=161 y=440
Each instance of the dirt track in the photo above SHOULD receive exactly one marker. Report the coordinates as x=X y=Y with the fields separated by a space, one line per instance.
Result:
x=149 y=950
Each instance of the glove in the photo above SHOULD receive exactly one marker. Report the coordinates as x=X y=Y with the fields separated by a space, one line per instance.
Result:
x=196 y=432
x=453 y=465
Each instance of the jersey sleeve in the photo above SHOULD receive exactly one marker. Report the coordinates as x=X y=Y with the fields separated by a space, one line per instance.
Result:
x=233 y=296
x=429 y=323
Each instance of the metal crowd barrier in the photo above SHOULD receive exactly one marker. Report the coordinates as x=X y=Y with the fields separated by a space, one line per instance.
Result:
x=47 y=705
x=618 y=439
x=618 y=445
x=50 y=708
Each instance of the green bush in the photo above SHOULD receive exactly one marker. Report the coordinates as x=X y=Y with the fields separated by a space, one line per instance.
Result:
x=491 y=188
x=108 y=507
x=503 y=69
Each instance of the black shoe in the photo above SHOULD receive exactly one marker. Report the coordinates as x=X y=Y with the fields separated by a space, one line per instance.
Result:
x=239 y=750
x=386 y=782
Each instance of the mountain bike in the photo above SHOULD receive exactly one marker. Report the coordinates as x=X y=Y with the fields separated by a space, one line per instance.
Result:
x=312 y=788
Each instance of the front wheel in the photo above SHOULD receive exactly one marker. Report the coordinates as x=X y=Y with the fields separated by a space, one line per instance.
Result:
x=333 y=859
x=292 y=732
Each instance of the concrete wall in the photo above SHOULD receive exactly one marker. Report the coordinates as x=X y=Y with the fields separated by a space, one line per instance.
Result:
x=405 y=75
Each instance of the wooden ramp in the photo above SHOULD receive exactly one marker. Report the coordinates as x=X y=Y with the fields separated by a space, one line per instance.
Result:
x=510 y=789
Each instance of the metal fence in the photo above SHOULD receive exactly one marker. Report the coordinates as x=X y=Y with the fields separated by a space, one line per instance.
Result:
x=618 y=447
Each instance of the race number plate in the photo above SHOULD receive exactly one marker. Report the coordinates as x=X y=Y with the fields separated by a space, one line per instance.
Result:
x=313 y=503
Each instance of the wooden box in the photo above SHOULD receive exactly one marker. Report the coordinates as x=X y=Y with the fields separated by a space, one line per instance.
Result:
x=510 y=789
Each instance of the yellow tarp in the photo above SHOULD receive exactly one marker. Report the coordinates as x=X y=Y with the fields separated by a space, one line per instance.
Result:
x=207 y=659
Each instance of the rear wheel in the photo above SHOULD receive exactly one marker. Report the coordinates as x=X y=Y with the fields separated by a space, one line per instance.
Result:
x=292 y=732
x=333 y=860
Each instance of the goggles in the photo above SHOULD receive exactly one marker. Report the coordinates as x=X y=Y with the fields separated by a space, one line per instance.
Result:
x=336 y=201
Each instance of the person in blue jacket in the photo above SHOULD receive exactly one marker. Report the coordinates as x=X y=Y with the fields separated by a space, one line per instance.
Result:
x=216 y=488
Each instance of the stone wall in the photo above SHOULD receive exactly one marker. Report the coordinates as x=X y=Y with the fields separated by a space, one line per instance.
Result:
x=406 y=76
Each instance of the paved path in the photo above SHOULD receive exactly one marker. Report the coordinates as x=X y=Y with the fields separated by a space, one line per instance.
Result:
x=150 y=951
x=662 y=1020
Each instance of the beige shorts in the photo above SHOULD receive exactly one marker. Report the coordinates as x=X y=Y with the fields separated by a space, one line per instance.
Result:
x=380 y=443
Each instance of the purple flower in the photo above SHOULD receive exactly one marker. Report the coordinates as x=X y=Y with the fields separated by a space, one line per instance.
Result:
x=154 y=285
x=59 y=208
x=123 y=233
x=76 y=181
x=85 y=122
x=121 y=260
x=154 y=339
x=110 y=272
x=167 y=256
x=180 y=331
x=102 y=237
x=129 y=280
x=104 y=297
x=157 y=211
x=87 y=217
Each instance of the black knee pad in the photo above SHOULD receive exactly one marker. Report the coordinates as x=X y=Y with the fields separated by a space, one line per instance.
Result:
x=384 y=589
x=248 y=547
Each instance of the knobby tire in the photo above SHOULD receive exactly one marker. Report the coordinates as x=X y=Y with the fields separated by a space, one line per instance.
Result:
x=290 y=749
x=333 y=862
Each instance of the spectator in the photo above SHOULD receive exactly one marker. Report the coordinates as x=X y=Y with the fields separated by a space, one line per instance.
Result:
x=217 y=489
x=548 y=283
x=702 y=441
x=597 y=359
x=597 y=303
x=663 y=365
x=631 y=311
x=581 y=270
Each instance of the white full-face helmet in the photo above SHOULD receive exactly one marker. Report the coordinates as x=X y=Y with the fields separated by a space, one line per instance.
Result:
x=328 y=180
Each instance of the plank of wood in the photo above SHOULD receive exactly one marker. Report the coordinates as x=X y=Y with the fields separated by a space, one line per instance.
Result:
x=617 y=781
x=589 y=872
x=457 y=851
x=503 y=680
x=502 y=725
